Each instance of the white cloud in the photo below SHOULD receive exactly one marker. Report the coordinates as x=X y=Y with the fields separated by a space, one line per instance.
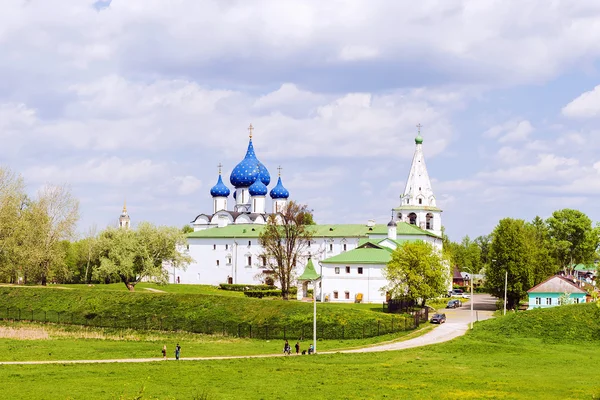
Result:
x=510 y=131
x=586 y=105
x=187 y=184
x=111 y=171
x=355 y=53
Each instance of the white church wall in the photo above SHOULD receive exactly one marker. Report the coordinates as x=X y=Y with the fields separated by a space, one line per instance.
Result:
x=348 y=284
x=216 y=260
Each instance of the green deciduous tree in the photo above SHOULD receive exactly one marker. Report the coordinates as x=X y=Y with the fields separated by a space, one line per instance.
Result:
x=572 y=237
x=543 y=264
x=285 y=240
x=510 y=250
x=55 y=213
x=417 y=272
x=144 y=253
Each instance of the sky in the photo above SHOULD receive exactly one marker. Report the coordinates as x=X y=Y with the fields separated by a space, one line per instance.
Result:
x=142 y=99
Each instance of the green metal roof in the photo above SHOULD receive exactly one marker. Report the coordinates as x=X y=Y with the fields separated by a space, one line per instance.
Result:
x=369 y=253
x=362 y=256
x=309 y=273
x=319 y=231
x=583 y=267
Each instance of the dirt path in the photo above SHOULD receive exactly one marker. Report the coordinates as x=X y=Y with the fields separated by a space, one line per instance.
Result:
x=155 y=290
x=457 y=325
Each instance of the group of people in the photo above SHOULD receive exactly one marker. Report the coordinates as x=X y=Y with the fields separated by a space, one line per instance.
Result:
x=177 y=351
x=287 y=349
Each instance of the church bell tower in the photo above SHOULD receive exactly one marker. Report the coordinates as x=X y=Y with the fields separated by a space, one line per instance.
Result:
x=124 y=220
x=417 y=202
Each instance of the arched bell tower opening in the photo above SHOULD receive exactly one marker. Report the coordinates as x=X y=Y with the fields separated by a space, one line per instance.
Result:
x=412 y=218
x=429 y=221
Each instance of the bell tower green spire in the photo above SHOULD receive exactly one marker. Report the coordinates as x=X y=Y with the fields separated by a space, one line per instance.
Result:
x=419 y=138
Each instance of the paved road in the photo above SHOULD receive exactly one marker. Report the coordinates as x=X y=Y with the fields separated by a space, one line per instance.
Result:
x=457 y=324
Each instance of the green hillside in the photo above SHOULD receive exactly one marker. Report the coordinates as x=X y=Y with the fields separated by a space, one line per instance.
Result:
x=192 y=312
x=557 y=324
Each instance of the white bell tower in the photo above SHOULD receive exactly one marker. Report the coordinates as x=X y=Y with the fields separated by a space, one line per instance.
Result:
x=124 y=220
x=417 y=202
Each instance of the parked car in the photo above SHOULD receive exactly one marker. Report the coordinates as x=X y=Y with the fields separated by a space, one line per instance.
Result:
x=454 y=304
x=460 y=293
x=438 y=318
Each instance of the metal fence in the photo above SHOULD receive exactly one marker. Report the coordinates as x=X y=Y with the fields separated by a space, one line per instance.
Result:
x=325 y=330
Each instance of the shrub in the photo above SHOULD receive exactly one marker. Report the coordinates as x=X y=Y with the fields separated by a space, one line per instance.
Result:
x=236 y=287
x=262 y=293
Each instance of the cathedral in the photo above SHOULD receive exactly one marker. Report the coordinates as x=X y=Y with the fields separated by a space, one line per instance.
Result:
x=349 y=257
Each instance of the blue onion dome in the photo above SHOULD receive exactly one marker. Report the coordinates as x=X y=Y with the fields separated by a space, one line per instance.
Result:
x=258 y=188
x=279 y=192
x=245 y=173
x=219 y=190
x=263 y=174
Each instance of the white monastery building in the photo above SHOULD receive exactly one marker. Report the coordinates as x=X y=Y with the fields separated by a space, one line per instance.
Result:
x=349 y=258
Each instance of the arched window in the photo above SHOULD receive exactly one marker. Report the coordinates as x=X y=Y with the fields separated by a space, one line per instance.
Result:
x=429 y=221
x=412 y=218
x=399 y=216
x=420 y=201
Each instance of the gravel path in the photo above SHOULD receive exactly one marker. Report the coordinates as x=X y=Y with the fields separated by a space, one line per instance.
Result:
x=457 y=325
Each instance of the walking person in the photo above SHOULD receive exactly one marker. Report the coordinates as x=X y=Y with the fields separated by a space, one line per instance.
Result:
x=297 y=346
x=164 y=352
x=177 y=351
x=286 y=348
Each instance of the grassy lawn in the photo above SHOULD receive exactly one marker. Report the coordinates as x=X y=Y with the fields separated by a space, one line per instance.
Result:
x=467 y=368
x=539 y=354
x=24 y=341
x=169 y=288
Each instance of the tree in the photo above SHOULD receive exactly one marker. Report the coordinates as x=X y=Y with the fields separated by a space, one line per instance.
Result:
x=543 y=264
x=484 y=245
x=53 y=217
x=13 y=207
x=510 y=250
x=133 y=255
x=467 y=256
x=187 y=229
x=417 y=272
x=284 y=240
x=572 y=237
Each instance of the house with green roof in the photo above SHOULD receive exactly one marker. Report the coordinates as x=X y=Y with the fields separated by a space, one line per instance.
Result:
x=357 y=275
x=225 y=243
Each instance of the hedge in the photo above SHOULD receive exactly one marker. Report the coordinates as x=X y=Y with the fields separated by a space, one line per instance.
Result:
x=243 y=288
x=262 y=293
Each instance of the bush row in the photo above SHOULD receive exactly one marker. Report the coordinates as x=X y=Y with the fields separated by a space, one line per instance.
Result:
x=236 y=287
x=271 y=293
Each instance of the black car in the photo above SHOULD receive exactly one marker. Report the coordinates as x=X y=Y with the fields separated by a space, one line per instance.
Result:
x=454 y=304
x=438 y=318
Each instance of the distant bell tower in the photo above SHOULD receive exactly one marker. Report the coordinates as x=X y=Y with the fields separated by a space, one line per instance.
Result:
x=417 y=203
x=124 y=220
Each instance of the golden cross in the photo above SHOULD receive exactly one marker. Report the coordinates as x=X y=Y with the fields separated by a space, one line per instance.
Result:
x=279 y=170
x=250 y=129
x=419 y=126
x=220 y=166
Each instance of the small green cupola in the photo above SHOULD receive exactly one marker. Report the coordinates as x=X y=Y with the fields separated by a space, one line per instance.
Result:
x=310 y=274
x=419 y=138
